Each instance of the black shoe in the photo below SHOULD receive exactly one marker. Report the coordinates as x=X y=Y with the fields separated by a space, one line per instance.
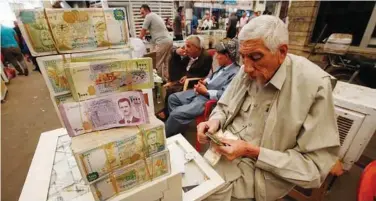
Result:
x=158 y=115
x=20 y=73
x=26 y=72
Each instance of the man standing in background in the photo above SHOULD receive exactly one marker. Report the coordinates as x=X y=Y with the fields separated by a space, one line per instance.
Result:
x=243 y=20
x=231 y=27
x=179 y=24
x=194 y=24
x=207 y=23
x=161 y=40
x=11 y=50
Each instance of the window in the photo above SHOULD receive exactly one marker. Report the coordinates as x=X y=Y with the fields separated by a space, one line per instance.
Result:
x=351 y=17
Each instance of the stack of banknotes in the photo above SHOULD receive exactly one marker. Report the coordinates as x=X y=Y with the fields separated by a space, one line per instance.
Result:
x=97 y=78
x=116 y=144
x=115 y=110
x=211 y=155
x=52 y=67
x=99 y=153
x=116 y=160
x=48 y=31
x=132 y=176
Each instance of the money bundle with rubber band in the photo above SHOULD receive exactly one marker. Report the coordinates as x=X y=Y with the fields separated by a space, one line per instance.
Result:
x=100 y=153
x=97 y=78
x=131 y=176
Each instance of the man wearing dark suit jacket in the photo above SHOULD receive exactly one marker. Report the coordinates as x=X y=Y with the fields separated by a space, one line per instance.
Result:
x=185 y=106
x=191 y=61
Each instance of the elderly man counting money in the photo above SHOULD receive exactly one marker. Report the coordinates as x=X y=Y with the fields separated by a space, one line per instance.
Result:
x=280 y=107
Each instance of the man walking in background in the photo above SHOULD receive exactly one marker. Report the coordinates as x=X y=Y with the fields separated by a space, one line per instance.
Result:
x=231 y=27
x=161 y=40
x=11 y=50
x=179 y=24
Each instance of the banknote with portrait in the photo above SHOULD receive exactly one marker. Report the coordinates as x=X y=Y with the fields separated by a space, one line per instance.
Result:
x=116 y=110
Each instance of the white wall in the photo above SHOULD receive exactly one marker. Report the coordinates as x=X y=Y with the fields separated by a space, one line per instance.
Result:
x=7 y=16
x=260 y=6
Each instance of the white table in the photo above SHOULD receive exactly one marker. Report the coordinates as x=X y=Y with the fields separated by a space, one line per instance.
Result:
x=54 y=176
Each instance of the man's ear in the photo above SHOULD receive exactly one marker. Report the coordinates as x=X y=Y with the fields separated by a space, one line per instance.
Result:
x=282 y=53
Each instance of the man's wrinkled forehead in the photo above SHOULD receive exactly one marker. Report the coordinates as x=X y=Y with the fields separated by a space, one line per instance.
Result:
x=247 y=46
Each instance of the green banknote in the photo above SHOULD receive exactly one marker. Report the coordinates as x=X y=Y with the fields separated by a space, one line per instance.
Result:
x=132 y=176
x=134 y=146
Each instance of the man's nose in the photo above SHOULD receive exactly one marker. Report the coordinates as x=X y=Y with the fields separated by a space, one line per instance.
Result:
x=248 y=68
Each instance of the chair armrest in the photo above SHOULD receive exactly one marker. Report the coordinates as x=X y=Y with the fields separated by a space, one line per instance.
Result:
x=188 y=80
x=209 y=105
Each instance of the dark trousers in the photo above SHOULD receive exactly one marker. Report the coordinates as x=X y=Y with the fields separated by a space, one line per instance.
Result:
x=178 y=37
x=231 y=32
x=14 y=55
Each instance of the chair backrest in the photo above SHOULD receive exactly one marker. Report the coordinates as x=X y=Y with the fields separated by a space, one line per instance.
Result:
x=367 y=184
x=211 y=52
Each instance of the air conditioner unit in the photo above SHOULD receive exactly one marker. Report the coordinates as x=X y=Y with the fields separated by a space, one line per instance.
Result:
x=355 y=108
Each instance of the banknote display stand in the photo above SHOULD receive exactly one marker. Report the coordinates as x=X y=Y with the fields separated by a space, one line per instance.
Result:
x=54 y=175
x=54 y=75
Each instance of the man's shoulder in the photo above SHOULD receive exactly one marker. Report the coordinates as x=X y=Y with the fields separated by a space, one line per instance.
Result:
x=234 y=68
x=306 y=67
x=150 y=16
x=306 y=72
x=6 y=30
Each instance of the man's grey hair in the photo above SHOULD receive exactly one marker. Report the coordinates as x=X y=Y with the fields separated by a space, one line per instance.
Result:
x=270 y=29
x=197 y=40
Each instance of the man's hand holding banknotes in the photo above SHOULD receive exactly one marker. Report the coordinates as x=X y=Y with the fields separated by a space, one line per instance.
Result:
x=233 y=148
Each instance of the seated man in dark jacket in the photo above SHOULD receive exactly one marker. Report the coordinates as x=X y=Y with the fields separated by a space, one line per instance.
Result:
x=191 y=61
x=185 y=106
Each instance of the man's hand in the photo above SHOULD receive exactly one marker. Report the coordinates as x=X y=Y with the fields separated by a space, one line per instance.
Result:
x=337 y=169
x=201 y=89
x=142 y=34
x=168 y=84
x=202 y=81
x=182 y=80
x=181 y=51
x=210 y=126
x=237 y=148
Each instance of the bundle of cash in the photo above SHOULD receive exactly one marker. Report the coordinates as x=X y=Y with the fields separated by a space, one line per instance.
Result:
x=131 y=176
x=91 y=79
x=116 y=110
x=116 y=26
x=99 y=153
x=73 y=30
x=52 y=67
x=211 y=155
x=34 y=28
x=76 y=30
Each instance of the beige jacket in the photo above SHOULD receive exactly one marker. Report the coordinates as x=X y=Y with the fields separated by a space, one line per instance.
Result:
x=300 y=140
